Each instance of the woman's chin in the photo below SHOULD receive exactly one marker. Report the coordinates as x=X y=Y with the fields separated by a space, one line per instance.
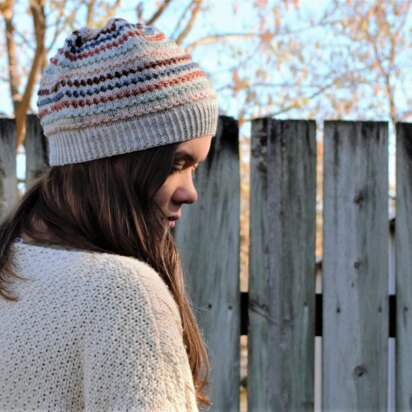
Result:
x=171 y=224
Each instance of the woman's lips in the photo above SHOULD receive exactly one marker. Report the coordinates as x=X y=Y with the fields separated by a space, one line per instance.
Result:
x=171 y=221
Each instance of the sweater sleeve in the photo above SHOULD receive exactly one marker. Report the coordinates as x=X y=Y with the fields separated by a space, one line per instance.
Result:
x=134 y=356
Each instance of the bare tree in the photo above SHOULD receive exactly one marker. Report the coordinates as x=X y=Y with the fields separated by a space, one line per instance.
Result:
x=314 y=66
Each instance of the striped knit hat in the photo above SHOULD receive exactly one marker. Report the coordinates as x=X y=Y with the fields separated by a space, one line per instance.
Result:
x=123 y=88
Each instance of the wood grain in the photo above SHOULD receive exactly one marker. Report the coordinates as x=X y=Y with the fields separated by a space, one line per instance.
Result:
x=403 y=265
x=208 y=236
x=355 y=267
x=282 y=266
x=8 y=178
x=36 y=149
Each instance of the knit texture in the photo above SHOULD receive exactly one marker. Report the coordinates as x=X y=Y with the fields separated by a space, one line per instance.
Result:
x=91 y=331
x=122 y=88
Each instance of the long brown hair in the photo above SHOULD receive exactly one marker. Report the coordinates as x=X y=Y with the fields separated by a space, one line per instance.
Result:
x=106 y=205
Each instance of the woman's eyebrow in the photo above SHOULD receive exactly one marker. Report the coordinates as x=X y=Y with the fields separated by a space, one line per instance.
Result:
x=185 y=156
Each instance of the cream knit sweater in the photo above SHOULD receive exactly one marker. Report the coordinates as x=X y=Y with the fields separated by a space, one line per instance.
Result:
x=91 y=331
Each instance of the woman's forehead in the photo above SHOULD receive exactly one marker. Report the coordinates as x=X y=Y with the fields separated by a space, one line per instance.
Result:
x=195 y=150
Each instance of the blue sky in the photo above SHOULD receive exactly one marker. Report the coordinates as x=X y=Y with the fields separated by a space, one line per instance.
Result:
x=214 y=59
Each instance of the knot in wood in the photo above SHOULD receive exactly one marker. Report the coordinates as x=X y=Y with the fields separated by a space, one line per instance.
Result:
x=359 y=197
x=360 y=370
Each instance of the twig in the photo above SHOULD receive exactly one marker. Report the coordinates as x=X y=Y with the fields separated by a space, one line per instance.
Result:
x=218 y=37
x=191 y=21
x=180 y=20
x=158 y=12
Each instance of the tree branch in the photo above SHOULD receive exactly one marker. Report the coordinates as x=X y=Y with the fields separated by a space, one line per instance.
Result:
x=39 y=23
x=21 y=40
x=14 y=78
x=180 y=20
x=90 y=12
x=385 y=74
x=6 y=7
x=295 y=104
x=112 y=9
x=158 y=12
x=217 y=38
x=198 y=6
x=63 y=20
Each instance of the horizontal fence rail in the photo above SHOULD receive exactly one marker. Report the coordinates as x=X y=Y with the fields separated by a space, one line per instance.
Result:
x=282 y=313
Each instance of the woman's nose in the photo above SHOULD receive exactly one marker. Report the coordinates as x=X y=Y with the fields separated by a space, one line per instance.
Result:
x=186 y=192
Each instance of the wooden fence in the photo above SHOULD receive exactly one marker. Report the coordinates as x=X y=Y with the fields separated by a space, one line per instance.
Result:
x=281 y=312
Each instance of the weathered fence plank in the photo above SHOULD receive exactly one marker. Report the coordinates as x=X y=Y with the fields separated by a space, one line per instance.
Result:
x=208 y=238
x=282 y=266
x=355 y=267
x=282 y=263
x=8 y=178
x=36 y=149
x=403 y=265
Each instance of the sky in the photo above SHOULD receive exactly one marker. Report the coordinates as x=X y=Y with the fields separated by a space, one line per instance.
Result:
x=223 y=16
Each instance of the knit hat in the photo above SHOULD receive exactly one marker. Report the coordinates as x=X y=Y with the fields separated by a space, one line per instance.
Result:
x=123 y=88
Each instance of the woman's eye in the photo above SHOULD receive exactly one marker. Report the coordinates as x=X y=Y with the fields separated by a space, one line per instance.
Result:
x=181 y=166
x=178 y=167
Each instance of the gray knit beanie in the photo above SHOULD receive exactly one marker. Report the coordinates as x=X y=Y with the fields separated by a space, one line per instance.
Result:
x=123 y=88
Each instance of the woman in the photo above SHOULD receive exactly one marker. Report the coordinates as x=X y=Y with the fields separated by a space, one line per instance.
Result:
x=92 y=301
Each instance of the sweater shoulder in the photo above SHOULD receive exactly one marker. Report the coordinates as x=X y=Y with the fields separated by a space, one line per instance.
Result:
x=91 y=276
x=114 y=272
x=111 y=314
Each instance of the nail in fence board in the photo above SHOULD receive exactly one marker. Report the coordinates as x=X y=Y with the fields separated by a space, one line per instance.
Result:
x=355 y=267
x=403 y=264
x=8 y=178
x=282 y=266
x=208 y=239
